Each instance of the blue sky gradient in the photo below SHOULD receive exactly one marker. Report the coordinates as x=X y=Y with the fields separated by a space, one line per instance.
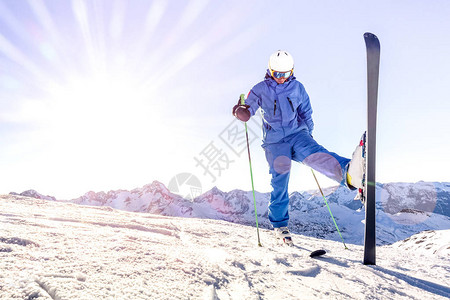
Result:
x=99 y=95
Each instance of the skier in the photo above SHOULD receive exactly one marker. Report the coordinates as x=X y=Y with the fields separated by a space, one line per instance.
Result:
x=287 y=135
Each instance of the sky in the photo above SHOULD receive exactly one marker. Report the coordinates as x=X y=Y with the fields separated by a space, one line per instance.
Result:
x=106 y=95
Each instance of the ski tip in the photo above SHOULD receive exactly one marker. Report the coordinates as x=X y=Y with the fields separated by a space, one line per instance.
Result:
x=317 y=253
x=371 y=38
x=369 y=34
x=372 y=41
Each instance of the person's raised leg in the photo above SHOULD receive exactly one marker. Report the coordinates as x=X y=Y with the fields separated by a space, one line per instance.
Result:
x=309 y=152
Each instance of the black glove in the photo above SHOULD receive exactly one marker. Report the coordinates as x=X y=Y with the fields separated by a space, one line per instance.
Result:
x=241 y=112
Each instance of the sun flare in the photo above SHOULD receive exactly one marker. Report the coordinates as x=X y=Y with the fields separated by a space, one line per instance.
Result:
x=105 y=93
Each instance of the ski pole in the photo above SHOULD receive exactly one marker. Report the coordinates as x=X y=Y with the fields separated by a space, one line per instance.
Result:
x=326 y=202
x=251 y=173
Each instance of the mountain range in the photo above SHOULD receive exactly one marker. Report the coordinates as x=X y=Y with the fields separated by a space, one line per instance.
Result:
x=403 y=209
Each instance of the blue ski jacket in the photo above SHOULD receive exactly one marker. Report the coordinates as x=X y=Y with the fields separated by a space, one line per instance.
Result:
x=285 y=108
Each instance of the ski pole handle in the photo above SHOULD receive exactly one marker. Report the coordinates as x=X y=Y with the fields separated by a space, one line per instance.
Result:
x=242 y=99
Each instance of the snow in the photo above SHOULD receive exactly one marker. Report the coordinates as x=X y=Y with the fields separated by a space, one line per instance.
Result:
x=57 y=250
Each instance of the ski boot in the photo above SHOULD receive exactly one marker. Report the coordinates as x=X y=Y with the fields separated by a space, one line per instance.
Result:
x=356 y=172
x=284 y=234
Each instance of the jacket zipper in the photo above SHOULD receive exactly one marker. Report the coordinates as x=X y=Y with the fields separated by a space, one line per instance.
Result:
x=290 y=102
x=274 y=106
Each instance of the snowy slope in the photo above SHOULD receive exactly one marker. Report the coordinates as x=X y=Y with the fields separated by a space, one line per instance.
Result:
x=56 y=250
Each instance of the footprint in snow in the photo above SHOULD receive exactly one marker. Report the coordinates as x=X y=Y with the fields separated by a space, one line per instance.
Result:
x=308 y=272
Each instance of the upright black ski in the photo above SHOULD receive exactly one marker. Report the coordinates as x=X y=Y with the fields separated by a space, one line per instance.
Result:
x=373 y=67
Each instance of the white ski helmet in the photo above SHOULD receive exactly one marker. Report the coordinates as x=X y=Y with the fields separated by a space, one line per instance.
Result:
x=281 y=61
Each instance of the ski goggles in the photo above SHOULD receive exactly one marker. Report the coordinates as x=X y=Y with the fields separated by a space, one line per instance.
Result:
x=276 y=74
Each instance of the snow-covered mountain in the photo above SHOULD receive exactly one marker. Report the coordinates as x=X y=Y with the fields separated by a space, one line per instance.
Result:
x=404 y=209
x=421 y=196
x=156 y=198
x=60 y=250
x=33 y=194
x=153 y=198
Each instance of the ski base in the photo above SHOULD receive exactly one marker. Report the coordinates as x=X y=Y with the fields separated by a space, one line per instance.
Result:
x=361 y=195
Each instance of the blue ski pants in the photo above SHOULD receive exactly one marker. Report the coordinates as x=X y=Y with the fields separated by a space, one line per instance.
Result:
x=300 y=147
